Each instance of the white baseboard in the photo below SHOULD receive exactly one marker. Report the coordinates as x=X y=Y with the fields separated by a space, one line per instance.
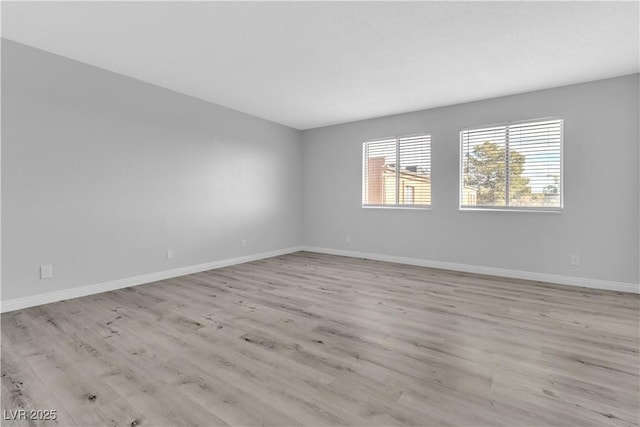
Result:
x=49 y=297
x=492 y=271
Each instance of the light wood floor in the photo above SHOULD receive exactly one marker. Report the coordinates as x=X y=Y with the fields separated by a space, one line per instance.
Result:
x=309 y=339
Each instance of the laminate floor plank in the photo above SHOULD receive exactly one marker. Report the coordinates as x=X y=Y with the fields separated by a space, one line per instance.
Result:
x=311 y=339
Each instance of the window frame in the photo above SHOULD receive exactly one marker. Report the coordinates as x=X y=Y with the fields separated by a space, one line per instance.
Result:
x=397 y=205
x=536 y=209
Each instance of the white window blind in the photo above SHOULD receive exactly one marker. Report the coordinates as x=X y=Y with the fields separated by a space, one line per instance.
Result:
x=515 y=166
x=397 y=172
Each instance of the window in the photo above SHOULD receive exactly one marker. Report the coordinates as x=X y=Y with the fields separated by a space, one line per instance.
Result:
x=397 y=172
x=409 y=192
x=513 y=166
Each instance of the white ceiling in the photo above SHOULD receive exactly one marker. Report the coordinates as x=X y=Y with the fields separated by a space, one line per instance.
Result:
x=310 y=64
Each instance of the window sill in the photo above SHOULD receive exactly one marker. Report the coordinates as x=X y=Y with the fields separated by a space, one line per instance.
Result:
x=519 y=210
x=398 y=207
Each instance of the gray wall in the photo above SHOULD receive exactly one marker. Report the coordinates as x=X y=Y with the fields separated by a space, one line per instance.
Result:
x=599 y=221
x=102 y=173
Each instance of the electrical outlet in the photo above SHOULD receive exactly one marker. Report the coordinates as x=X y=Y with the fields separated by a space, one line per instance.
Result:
x=348 y=238
x=243 y=243
x=46 y=271
x=574 y=259
x=169 y=253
